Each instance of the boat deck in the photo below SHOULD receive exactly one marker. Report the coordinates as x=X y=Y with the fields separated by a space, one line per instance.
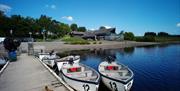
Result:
x=28 y=74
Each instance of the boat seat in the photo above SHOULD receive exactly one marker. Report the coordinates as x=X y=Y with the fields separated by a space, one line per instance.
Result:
x=80 y=74
x=88 y=78
x=121 y=72
x=118 y=76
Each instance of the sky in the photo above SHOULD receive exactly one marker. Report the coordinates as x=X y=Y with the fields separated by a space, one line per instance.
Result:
x=137 y=16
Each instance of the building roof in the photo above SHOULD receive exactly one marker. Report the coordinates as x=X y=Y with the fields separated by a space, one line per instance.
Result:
x=103 y=32
x=99 y=32
x=89 y=34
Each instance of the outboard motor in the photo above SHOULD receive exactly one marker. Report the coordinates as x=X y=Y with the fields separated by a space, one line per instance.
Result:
x=11 y=45
x=110 y=59
x=71 y=61
x=51 y=53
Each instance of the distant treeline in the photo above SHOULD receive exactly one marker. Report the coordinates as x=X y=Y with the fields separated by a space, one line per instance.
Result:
x=159 y=37
x=19 y=26
x=160 y=34
x=152 y=37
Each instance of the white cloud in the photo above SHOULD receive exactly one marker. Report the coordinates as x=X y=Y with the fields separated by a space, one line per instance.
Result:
x=53 y=6
x=5 y=8
x=178 y=24
x=50 y=6
x=107 y=27
x=69 y=18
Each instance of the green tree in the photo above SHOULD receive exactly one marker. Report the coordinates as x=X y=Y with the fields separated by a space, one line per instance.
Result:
x=128 y=36
x=64 y=29
x=82 y=29
x=149 y=34
x=163 y=34
x=149 y=38
x=4 y=22
x=74 y=27
x=19 y=26
x=44 y=21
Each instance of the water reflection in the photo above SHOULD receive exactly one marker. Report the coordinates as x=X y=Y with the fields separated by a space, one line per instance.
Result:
x=147 y=47
x=163 y=45
x=129 y=50
x=99 y=52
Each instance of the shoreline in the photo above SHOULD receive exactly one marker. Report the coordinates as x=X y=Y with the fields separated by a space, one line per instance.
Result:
x=60 y=46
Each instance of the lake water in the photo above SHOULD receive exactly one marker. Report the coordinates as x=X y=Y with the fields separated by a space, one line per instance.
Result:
x=156 y=68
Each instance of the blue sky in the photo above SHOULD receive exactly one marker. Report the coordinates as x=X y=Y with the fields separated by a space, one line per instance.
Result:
x=137 y=16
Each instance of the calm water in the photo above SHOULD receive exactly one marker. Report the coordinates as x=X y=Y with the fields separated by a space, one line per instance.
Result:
x=156 y=68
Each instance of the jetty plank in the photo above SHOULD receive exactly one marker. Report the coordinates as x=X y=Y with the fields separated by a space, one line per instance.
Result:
x=28 y=74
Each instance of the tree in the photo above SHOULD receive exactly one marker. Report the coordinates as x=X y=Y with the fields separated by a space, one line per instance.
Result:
x=44 y=21
x=163 y=34
x=149 y=34
x=128 y=36
x=21 y=26
x=82 y=29
x=149 y=39
x=4 y=22
x=64 y=29
x=74 y=27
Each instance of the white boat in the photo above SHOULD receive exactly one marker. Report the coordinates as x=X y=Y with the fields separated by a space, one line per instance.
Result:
x=48 y=58
x=116 y=77
x=51 y=59
x=80 y=77
x=3 y=61
x=51 y=55
x=64 y=60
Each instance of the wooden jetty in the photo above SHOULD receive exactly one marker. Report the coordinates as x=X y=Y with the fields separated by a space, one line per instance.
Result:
x=28 y=74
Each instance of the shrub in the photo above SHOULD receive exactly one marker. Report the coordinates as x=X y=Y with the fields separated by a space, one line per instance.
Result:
x=100 y=42
x=74 y=40
x=128 y=36
x=145 y=39
x=94 y=42
x=139 y=39
x=149 y=38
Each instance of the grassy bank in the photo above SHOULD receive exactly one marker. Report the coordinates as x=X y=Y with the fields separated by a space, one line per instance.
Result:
x=74 y=40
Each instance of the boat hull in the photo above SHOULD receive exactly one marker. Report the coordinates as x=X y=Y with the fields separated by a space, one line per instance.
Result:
x=115 y=85
x=80 y=85
x=49 y=62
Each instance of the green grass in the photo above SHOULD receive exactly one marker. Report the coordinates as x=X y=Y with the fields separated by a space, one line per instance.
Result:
x=39 y=40
x=94 y=42
x=74 y=40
